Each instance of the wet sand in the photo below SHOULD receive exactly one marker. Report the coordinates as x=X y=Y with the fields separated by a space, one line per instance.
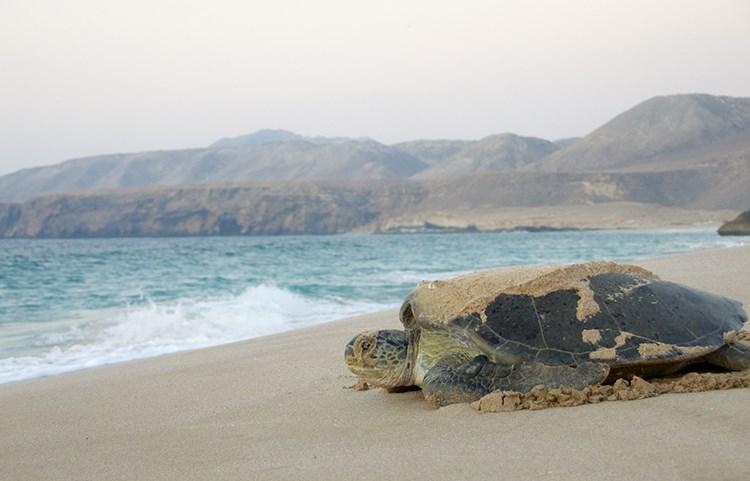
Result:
x=278 y=407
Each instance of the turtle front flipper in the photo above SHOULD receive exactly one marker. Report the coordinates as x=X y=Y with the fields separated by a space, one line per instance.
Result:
x=735 y=355
x=453 y=381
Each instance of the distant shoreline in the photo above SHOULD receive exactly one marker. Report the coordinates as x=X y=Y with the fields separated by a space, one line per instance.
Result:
x=407 y=230
x=314 y=209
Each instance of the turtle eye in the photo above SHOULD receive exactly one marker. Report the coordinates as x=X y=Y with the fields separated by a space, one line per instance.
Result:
x=365 y=346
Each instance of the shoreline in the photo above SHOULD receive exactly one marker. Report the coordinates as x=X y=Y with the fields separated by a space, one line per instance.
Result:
x=64 y=366
x=277 y=407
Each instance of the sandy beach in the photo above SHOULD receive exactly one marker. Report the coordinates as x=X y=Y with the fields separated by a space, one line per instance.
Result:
x=278 y=407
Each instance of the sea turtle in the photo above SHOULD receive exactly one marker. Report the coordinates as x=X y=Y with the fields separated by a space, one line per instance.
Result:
x=580 y=325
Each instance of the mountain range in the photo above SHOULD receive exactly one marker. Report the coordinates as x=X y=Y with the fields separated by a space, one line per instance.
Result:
x=689 y=151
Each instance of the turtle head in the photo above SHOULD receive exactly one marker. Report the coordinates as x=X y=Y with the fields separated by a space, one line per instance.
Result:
x=381 y=358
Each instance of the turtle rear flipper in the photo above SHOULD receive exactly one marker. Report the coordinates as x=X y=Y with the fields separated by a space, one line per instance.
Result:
x=735 y=355
x=451 y=381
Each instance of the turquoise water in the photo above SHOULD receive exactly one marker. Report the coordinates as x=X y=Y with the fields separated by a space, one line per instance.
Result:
x=71 y=304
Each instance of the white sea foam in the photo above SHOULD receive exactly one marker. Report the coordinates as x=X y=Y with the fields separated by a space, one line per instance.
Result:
x=148 y=330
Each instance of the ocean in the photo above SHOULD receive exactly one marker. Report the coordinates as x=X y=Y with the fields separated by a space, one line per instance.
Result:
x=72 y=304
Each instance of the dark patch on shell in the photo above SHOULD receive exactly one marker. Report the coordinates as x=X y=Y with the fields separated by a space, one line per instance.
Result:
x=546 y=328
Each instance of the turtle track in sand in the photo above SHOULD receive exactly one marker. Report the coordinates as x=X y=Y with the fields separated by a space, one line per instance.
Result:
x=622 y=390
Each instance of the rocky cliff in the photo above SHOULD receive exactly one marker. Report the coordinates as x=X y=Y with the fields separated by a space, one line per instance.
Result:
x=327 y=208
x=738 y=226
x=258 y=209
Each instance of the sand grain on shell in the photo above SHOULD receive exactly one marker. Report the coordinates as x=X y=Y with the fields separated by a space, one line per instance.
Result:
x=592 y=336
x=576 y=277
x=441 y=301
x=622 y=390
x=603 y=354
x=650 y=350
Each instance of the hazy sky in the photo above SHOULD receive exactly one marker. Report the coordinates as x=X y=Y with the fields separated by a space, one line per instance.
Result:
x=88 y=77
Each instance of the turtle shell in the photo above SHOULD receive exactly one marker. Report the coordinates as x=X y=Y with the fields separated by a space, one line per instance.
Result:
x=599 y=311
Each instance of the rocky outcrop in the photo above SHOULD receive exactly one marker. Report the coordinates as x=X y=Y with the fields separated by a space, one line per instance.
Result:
x=738 y=226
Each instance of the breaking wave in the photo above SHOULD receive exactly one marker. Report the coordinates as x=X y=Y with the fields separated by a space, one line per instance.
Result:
x=110 y=336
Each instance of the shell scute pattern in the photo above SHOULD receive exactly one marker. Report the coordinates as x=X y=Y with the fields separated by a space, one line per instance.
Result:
x=636 y=318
